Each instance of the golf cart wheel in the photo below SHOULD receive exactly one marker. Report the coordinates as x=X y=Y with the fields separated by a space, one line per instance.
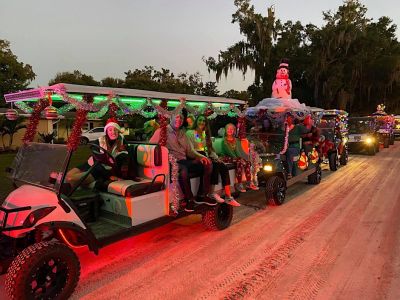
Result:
x=218 y=217
x=333 y=161
x=45 y=270
x=344 y=158
x=386 y=142
x=275 y=190
x=372 y=150
x=315 y=178
x=376 y=147
x=392 y=138
x=84 y=141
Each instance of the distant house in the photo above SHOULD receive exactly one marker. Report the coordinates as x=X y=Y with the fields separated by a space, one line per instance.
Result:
x=62 y=127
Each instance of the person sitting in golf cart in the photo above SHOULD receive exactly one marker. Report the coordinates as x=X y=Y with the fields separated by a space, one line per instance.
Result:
x=200 y=138
x=310 y=139
x=189 y=161
x=296 y=131
x=232 y=152
x=113 y=142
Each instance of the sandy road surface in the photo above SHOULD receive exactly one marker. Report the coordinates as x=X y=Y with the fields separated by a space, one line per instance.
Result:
x=337 y=240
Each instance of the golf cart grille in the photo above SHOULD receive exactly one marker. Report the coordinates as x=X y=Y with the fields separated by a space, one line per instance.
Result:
x=5 y=214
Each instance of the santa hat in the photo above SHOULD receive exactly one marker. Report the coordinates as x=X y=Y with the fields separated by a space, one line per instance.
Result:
x=112 y=123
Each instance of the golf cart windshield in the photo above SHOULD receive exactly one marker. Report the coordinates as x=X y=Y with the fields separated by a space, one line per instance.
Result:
x=267 y=142
x=267 y=134
x=40 y=164
x=359 y=126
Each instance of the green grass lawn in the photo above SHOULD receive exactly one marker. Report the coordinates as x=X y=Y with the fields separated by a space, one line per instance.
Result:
x=6 y=159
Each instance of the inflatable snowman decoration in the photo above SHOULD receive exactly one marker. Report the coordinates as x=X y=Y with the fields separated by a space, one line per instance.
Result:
x=282 y=86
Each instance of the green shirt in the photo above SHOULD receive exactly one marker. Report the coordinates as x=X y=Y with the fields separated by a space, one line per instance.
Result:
x=233 y=150
x=295 y=135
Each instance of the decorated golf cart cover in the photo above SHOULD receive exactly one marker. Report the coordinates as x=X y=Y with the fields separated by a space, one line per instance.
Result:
x=95 y=102
x=50 y=217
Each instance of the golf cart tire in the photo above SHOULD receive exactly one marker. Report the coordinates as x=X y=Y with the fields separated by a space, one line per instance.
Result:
x=218 y=217
x=344 y=158
x=333 y=161
x=315 y=178
x=386 y=142
x=21 y=271
x=271 y=190
x=372 y=150
x=391 y=141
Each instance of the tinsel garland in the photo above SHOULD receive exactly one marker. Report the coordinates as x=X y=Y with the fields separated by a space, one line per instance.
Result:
x=98 y=114
x=163 y=124
x=34 y=120
x=127 y=110
x=24 y=107
x=112 y=110
x=74 y=138
x=286 y=142
x=254 y=162
x=83 y=105
x=241 y=125
x=174 y=183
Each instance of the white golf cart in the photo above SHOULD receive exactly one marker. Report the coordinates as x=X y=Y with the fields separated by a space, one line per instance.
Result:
x=44 y=217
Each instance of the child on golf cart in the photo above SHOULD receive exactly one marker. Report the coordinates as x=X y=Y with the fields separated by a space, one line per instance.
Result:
x=114 y=143
x=189 y=161
x=200 y=138
x=233 y=153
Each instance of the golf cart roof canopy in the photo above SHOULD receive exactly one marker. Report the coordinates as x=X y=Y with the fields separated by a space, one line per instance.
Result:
x=101 y=93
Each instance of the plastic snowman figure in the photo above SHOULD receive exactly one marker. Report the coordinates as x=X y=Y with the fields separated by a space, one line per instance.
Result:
x=282 y=86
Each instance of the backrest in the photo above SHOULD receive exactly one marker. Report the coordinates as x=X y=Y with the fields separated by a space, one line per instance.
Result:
x=151 y=160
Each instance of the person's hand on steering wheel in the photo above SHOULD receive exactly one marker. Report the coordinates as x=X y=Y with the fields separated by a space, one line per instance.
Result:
x=102 y=156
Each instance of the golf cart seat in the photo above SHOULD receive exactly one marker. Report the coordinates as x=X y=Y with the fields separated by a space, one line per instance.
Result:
x=152 y=171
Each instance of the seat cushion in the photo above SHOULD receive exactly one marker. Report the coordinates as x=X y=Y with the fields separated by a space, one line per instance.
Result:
x=130 y=188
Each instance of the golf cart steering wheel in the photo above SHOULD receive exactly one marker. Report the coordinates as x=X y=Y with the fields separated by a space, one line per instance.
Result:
x=102 y=156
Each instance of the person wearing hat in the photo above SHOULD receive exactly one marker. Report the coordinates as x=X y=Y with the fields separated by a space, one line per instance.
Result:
x=114 y=143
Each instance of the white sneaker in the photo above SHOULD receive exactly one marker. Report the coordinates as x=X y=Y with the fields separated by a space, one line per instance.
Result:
x=217 y=197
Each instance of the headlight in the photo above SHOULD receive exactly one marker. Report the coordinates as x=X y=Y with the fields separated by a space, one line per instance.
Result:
x=369 y=140
x=267 y=168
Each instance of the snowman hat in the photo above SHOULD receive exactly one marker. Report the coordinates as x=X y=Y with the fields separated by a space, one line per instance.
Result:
x=284 y=63
x=112 y=123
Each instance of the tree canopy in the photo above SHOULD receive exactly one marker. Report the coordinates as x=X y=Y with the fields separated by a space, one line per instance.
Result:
x=14 y=75
x=350 y=62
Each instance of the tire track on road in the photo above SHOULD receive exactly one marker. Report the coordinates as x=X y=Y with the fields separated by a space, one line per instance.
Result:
x=277 y=255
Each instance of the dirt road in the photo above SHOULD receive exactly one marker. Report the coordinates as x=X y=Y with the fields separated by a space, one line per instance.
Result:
x=337 y=240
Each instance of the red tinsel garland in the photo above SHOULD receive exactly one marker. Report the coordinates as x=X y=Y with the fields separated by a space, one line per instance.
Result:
x=74 y=138
x=163 y=125
x=242 y=127
x=34 y=120
x=112 y=111
x=80 y=119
